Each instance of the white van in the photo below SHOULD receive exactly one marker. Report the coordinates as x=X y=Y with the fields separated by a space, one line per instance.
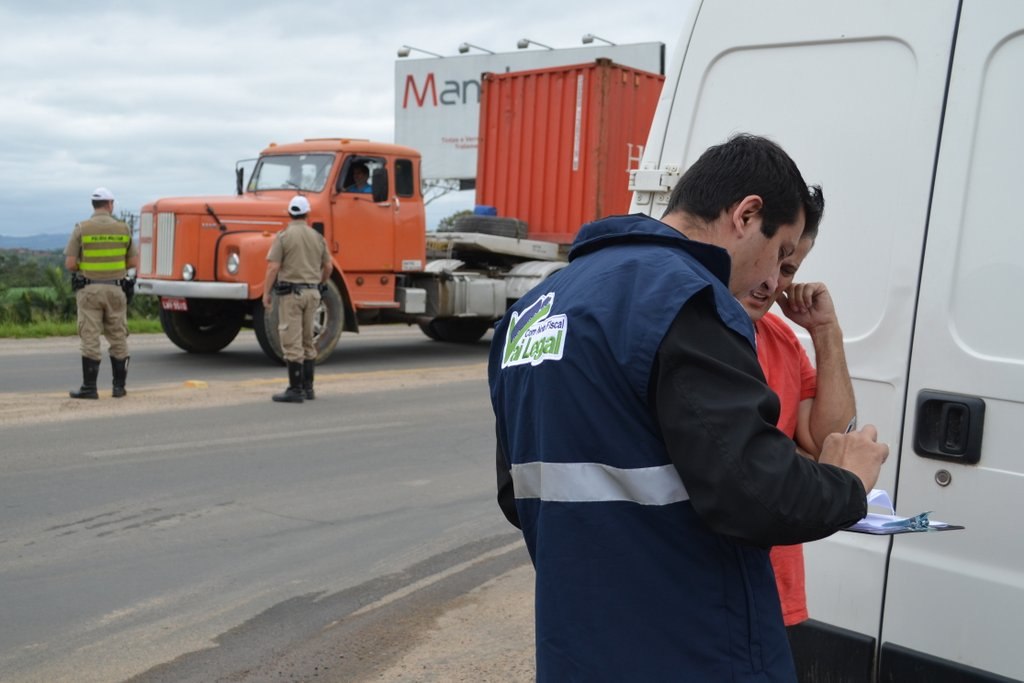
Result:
x=910 y=114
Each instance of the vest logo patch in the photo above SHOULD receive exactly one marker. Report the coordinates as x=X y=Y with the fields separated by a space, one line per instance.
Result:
x=534 y=335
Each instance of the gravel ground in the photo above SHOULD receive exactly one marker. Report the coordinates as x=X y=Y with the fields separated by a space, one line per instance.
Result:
x=486 y=637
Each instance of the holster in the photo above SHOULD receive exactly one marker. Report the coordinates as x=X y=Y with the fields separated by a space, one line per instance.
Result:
x=128 y=287
x=78 y=281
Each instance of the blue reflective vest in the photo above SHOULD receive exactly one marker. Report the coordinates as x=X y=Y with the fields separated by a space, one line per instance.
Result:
x=631 y=584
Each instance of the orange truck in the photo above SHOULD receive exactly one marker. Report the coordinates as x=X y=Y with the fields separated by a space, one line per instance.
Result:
x=205 y=257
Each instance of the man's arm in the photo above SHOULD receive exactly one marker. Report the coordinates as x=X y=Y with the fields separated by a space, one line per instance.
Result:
x=506 y=491
x=71 y=251
x=326 y=265
x=132 y=257
x=810 y=306
x=742 y=475
x=273 y=267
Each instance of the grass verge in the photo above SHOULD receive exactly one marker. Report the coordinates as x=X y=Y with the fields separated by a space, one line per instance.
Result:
x=46 y=328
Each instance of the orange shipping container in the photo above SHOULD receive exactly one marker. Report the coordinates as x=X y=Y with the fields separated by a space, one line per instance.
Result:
x=557 y=144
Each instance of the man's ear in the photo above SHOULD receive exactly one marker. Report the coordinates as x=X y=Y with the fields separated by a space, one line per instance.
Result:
x=746 y=214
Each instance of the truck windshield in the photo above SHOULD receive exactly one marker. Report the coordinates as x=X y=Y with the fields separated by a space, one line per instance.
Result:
x=291 y=172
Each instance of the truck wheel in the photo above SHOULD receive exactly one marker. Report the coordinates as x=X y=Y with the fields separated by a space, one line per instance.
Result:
x=327 y=325
x=200 y=333
x=491 y=225
x=456 y=330
x=328 y=322
x=264 y=324
x=428 y=329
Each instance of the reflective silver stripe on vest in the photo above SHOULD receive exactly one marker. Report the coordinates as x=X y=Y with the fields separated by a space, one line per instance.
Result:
x=591 y=482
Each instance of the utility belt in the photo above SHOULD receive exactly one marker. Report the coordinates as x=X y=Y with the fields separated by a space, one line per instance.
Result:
x=290 y=287
x=127 y=284
x=78 y=281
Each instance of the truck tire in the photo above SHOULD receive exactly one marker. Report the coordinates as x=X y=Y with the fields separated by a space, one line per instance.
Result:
x=491 y=225
x=264 y=324
x=456 y=330
x=200 y=333
x=327 y=325
x=428 y=329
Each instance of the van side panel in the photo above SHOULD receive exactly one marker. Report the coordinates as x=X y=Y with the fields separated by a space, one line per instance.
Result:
x=959 y=595
x=854 y=91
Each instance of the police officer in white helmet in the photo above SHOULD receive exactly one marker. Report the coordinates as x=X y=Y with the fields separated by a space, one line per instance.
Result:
x=297 y=264
x=99 y=254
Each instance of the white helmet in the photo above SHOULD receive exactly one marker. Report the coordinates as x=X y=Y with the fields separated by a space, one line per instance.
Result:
x=298 y=206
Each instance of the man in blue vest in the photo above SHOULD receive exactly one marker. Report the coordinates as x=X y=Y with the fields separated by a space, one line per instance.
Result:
x=637 y=447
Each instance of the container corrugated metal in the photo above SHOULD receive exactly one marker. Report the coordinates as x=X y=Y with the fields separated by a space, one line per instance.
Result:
x=557 y=144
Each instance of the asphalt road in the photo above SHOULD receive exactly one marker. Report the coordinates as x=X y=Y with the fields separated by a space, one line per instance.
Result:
x=196 y=531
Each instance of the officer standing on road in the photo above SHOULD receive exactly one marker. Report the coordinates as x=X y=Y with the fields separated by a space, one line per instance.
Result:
x=98 y=256
x=299 y=264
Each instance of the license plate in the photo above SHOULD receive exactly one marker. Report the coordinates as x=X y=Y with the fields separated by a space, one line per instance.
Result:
x=173 y=303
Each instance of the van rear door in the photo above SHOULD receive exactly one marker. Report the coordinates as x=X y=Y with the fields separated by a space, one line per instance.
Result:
x=956 y=599
x=854 y=91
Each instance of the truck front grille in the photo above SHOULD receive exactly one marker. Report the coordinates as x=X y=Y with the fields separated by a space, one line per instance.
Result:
x=165 y=244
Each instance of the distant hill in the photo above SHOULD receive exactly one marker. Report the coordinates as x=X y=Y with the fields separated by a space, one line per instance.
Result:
x=33 y=242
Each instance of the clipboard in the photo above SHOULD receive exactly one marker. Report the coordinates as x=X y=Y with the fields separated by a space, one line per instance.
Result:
x=878 y=524
x=888 y=525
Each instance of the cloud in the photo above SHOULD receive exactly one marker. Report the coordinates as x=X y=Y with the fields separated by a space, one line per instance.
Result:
x=157 y=99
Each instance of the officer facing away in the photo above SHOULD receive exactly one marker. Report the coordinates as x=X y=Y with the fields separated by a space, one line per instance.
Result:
x=299 y=264
x=98 y=256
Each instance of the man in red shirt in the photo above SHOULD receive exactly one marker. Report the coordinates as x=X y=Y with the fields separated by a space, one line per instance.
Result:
x=814 y=404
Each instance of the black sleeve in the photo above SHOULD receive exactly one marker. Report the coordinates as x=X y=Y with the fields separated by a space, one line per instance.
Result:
x=506 y=493
x=717 y=417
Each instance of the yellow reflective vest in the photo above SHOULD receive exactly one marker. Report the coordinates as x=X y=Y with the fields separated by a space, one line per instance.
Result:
x=105 y=242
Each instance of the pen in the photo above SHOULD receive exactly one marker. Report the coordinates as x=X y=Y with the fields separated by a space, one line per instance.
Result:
x=853 y=425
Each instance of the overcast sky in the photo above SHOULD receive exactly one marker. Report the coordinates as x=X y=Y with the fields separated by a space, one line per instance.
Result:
x=155 y=98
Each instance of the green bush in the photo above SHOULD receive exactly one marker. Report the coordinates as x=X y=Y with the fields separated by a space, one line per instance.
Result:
x=145 y=308
x=54 y=303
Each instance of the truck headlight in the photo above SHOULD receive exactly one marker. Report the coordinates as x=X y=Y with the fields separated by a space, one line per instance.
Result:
x=188 y=271
x=233 y=262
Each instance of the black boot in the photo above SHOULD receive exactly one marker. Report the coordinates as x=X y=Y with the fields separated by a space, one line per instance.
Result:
x=294 y=393
x=307 y=379
x=90 y=371
x=120 y=367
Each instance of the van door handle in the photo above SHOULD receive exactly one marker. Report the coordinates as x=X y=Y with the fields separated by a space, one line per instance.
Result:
x=949 y=426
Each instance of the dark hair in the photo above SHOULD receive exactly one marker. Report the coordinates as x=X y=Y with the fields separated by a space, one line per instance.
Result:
x=745 y=165
x=97 y=203
x=813 y=211
x=360 y=166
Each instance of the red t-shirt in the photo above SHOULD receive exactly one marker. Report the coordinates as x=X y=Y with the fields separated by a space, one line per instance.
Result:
x=791 y=376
